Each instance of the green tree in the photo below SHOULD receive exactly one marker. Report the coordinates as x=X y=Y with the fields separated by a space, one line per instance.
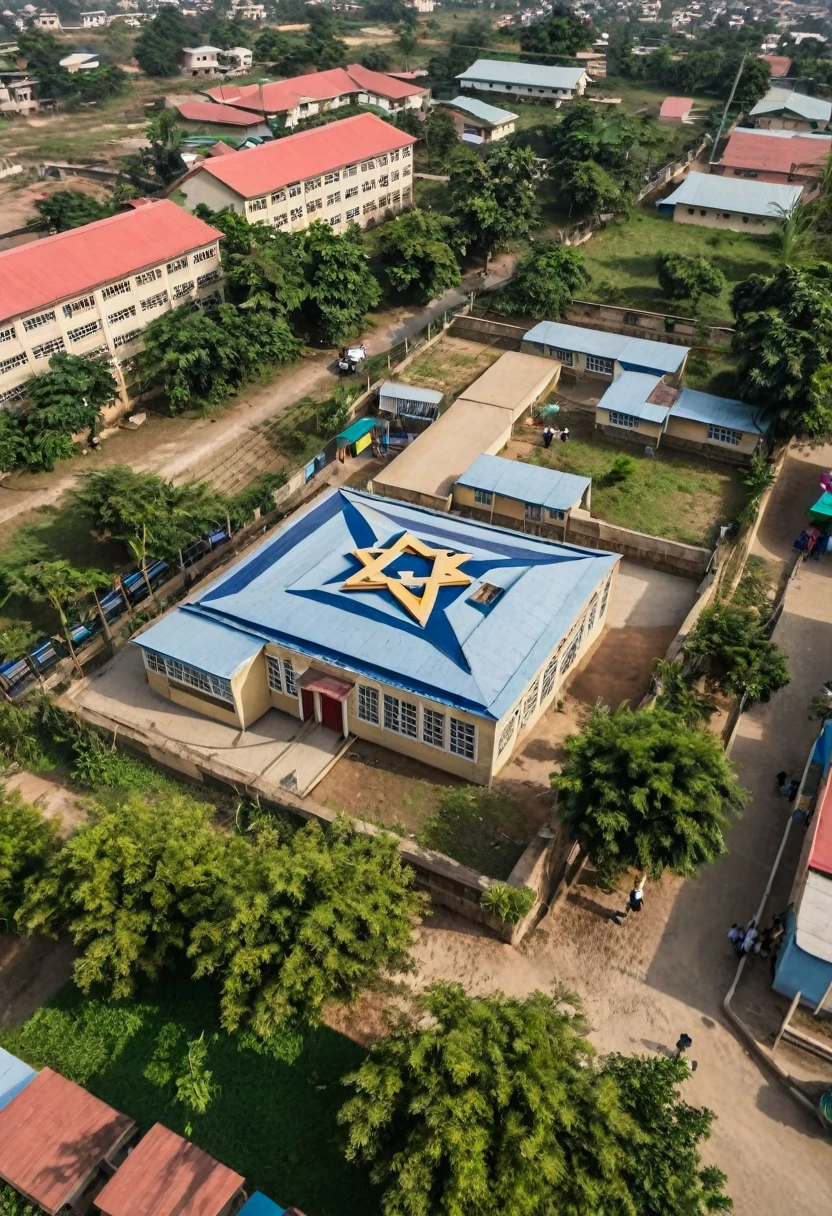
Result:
x=559 y=34
x=493 y=198
x=639 y=788
x=195 y=1086
x=128 y=886
x=754 y=82
x=441 y=137
x=27 y=840
x=377 y=59
x=158 y=48
x=19 y=740
x=59 y=584
x=739 y=656
x=409 y=122
x=72 y=209
x=689 y=278
x=544 y=282
x=783 y=336
x=342 y=288
x=271 y=275
x=325 y=50
x=304 y=922
x=15 y=639
x=679 y=695
x=163 y=129
x=12 y=1204
x=408 y=43
x=65 y=401
x=270 y=46
x=13 y=445
x=593 y=189
x=417 y=249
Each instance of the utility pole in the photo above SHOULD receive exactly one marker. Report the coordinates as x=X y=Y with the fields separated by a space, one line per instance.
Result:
x=727 y=107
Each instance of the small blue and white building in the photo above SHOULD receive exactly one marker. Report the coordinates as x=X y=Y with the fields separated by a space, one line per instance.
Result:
x=784 y=110
x=737 y=203
x=441 y=638
x=530 y=81
x=514 y=494
x=478 y=122
x=595 y=352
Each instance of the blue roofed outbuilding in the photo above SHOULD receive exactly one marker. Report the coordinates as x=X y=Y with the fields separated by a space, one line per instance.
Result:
x=15 y=1075
x=526 y=483
x=597 y=352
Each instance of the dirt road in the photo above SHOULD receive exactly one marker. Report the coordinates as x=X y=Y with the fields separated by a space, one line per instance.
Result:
x=667 y=971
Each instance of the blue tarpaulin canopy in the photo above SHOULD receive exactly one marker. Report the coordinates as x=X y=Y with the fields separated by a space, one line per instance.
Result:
x=822 y=509
x=260 y=1205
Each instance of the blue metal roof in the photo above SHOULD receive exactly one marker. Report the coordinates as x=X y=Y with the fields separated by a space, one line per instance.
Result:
x=634 y=354
x=718 y=411
x=736 y=194
x=502 y=71
x=15 y=1075
x=211 y=646
x=813 y=109
x=526 y=482
x=355 y=431
x=492 y=115
x=260 y=1205
x=628 y=395
x=410 y=392
x=289 y=590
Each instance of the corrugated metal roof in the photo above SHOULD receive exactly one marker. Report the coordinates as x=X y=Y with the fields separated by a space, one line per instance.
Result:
x=307 y=154
x=820 y=854
x=813 y=109
x=209 y=111
x=629 y=395
x=753 y=150
x=500 y=71
x=279 y=96
x=15 y=1075
x=260 y=1205
x=813 y=916
x=166 y=1175
x=53 y=1137
x=72 y=263
x=718 y=411
x=491 y=115
x=526 y=482
x=780 y=65
x=675 y=107
x=224 y=649
x=775 y=133
x=410 y=392
x=635 y=354
x=355 y=431
x=289 y=590
x=736 y=194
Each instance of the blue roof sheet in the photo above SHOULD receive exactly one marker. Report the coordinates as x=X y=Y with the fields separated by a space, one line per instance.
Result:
x=628 y=395
x=212 y=647
x=355 y=431
x=634 y=354
x=503 y=71
x=260 y=1205
x=410 y=392
x=15 y=1075
x=492 y=115
x=811 y=108
x=736 y=194
x=526 y=482
x=718 y=411
x=289 y=590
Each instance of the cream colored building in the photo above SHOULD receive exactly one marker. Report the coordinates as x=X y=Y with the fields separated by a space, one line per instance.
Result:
x=738 y=204
x=47 y=21
x=386 y=622
x=92 y=290
x=349 y=172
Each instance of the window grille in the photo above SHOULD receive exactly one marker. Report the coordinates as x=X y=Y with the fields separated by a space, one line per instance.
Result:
x=116 y=289
x=433 y=728
x=462 y=739
x=368 y=704
x=399 y=716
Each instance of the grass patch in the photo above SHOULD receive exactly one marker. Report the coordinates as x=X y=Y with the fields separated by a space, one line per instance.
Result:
x=449 y=369
x=478 y=827
x=669 y=494
x=274 y=1119
x=756 y=587
x=623 y=259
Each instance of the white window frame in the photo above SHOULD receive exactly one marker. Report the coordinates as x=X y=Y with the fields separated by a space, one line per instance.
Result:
x=116 y=289
x=124 y=339
x=563 y=356
x=533 y=511
x=628 y=422
x=723 y=434
x=83 y=331
x=353 y=212
x=192 y=677
x=122 y=315
x=18 y=360
x=154 y=301
x=462 y=739
x=550 y=675
x=255 y=204
x=273 y=673
x=401 y=716
x=149 y=276
x=6 y=335
x=368 y=704
x=529 y=703
x=53 y=347
x=433 y=728
x=483 y=497
x=183 y=289
x=42 y=318
x=289 y=680
x=600 y=365
x=205 y=255
x=506 y=735
x=179 y=264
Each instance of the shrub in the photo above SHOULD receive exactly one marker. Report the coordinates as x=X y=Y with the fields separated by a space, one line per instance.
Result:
x=739 y=656
x=621 y=470
x=508 y=903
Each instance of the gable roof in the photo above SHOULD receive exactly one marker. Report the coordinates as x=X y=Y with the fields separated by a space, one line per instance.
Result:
x=492 y=115
x=718 y=411
x=289 y=590
x=768 y=199
x=634 y=354
x=501 y=71
x=675 y=107
x=15 y=1075
x=780 y=65
x=280 y=162
x=71 y=263
x=209 y=111
x=813 y=109
x=530 y=483
x=754 y=150
x=631 y=394
x=279 y=96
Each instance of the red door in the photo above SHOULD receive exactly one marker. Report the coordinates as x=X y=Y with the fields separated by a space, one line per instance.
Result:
x=307 y=702
x=331 y=714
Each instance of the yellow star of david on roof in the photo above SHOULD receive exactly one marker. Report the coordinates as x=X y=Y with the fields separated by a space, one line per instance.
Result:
x=445 y=573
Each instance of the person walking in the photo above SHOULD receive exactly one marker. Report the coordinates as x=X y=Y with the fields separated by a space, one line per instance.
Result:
x=635 y=902
x=791 y=792
x=564 y=435
x=548 y=436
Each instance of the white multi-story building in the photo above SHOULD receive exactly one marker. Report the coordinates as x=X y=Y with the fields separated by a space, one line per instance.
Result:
x=92 y=290
x=529 y=81
x=348 y=172
x=213 y=61
x=249 y=12
x=93 y=19
x=47 y=21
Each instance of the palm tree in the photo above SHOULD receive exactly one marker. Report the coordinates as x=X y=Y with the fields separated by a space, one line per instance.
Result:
x=59 y=584
x=794 y=238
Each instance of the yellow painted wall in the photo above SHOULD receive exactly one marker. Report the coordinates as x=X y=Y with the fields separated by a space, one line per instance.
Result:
x=650 y=431
x=708 y=217
x=697 y=432
x=509 y=508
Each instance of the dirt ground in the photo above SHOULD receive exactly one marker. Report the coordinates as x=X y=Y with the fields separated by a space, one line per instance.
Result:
x=450 y=366
x=17 y=198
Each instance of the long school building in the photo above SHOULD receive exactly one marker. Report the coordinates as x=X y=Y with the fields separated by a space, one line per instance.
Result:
x=349 y=172
x=442 y=638
x=92 y=290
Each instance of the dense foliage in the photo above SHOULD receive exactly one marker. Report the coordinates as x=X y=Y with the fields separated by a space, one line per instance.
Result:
x=678 y=693
x=560 y=33
x=158 y=48
x=417 y=250
x=72 y=209
x=342 y=288
x=599 y=160
x=640 y=788
x=739 y=656
x=493 y=197
x=683 y=277
x=544 y=283
x=489 y=1105
x=27 y=838
x=43 y=52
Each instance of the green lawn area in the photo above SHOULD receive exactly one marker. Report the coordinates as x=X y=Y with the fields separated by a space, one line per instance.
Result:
x=273 y=1121
x=623 y=256
x=670 y=494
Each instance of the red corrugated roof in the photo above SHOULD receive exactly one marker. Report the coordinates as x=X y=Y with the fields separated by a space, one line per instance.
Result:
x=221 y=149
x=279 y=163
x=43 y=272
x=820 y=857
x=209 y=111
x=168 y=1176
x=675 y=107
x=780 y=65
x=54 y=1136
x=283 y=95
x=774 y=154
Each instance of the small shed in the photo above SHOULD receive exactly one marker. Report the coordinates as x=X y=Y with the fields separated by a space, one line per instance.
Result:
x=675 y=110
x=356 y=437
x=166 y=1175
x=15 y=1075
x=409 y=401
x=54 y=1139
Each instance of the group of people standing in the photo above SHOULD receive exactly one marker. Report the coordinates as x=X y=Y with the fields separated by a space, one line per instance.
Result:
x=549 y=433
x=750 y=939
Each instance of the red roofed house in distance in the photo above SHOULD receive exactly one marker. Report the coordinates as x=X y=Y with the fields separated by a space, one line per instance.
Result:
x=347 y=172
x=92 y=290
